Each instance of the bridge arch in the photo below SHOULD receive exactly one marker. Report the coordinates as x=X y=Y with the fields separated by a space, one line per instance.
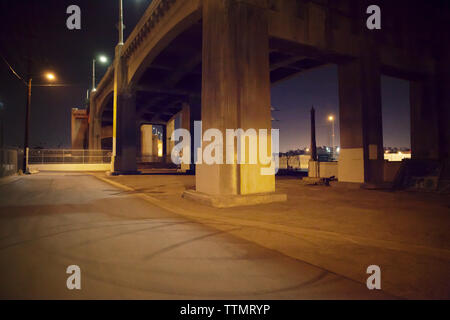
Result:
x=162 y=23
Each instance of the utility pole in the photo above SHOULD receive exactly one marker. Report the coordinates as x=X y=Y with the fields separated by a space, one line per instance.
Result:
x=27 y=126
x=93 y=75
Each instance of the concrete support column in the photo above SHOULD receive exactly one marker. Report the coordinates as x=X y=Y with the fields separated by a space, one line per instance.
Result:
x=361 y=157
x=195 y=115
x=235 y=90
x=424 y=120
x=126 y=135
x=444 y=103
x=95 y=127
x=147 y=140
x=186 y=124
x=170 y=128
x=95 y=135
x=124 y=120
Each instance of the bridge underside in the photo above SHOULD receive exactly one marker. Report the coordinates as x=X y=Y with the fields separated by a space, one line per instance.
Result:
x=174 y=80
x=220 y=68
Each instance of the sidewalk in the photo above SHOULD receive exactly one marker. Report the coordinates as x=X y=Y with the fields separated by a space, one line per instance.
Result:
x=338 y=228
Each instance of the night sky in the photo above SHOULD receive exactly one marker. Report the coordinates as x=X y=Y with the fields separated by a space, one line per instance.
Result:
x=37 y=29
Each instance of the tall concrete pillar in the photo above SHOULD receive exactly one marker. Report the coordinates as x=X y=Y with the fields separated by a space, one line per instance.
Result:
x=424 y=120
x=95 y=127
x=235 y=92
x=195 y=115
x=125 y=135
x=147 y=140
x=124 y=121
x=444 y=103
x=164 y=142
x=186 y=124
x=361 y=157
x=170 y=127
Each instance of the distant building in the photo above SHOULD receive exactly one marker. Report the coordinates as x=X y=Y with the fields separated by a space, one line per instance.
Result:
x=79 y=128
x=397 y=156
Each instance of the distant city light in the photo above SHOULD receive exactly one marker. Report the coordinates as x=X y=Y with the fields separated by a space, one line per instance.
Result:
x=330 y=118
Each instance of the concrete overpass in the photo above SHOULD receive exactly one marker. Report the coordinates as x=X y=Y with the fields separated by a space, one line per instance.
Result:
x=215 y=60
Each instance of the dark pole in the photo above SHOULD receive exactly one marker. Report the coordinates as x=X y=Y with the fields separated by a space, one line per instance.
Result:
x=313 y=135
x=27 y=127
x=164 y=142
x=2 y=150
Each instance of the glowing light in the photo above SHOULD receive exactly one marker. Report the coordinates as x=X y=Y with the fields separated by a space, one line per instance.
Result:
x=50 y=76
x=160 y=148
x=103 y=59
x=330 y=118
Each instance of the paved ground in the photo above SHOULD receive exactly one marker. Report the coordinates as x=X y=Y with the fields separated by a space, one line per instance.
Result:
x=339 y=228
x=128 y=248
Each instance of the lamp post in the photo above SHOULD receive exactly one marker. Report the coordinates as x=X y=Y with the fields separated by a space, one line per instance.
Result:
x=51 y=77
x=103 y=60
x=120 y=22
x=331 y=119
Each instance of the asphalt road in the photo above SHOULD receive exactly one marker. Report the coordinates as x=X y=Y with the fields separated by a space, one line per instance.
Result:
x=128 y=248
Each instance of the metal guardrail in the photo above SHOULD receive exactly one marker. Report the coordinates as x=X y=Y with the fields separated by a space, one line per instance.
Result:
x=54 y=156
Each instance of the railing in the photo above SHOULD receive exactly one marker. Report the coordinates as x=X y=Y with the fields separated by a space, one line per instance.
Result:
x=154 y=159
x=56 y=156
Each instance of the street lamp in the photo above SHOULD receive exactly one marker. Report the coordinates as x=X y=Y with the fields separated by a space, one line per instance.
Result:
x=50 y=77
x=121 y=22
x=331 y=119
x=103 y=59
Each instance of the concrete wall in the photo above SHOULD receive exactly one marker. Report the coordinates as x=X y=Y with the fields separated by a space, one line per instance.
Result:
x=322 y=169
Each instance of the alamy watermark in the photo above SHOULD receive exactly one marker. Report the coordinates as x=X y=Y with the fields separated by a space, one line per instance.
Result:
x=73 y=22
x=374 y=281
x=241 y=147
x=74 y=280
